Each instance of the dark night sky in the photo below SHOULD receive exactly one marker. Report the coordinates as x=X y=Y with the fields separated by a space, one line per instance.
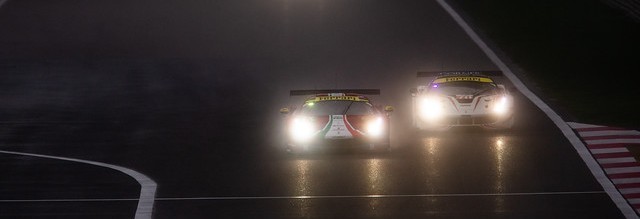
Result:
x=275 y=45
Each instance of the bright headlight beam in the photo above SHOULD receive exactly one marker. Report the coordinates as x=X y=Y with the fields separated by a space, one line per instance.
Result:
x=301 y=129
x=430 y=108
x=375 y=127
x=501 y=106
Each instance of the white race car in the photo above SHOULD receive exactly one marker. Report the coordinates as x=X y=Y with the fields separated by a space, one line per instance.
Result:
x=462 y=98
x=337 y=118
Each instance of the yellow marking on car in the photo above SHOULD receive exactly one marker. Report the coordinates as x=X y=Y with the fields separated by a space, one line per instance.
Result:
x=326 y=98
x=453 y=79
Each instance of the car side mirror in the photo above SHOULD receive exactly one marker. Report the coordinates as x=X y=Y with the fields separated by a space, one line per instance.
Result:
x=284 y=110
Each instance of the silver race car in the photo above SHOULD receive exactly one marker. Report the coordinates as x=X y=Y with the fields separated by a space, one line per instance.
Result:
x=462 y=98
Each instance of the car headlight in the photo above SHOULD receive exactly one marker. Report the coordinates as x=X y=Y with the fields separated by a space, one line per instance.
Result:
x=430 y=108
x=501 y=106
x=301 y=129
x=375 y=127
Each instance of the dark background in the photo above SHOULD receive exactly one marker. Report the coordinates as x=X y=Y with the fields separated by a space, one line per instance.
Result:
x=580 y=55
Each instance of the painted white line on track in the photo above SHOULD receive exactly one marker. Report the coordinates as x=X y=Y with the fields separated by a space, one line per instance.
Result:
x=584 y=153
x=609 y=150
x=581 y=125
x=617 y=160
x=614 y=141
x=622 y=170
x=147 y=190
x=630 y=191
x=71 y=200
x=50 y=122
x=148 y=186
x=309 y=197
x=634 y=200
x=609 y=132
x=626 y=180
x=379 y=196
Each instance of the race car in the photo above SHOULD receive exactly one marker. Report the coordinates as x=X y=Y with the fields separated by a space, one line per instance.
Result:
x=462 y=98
x=336 y=118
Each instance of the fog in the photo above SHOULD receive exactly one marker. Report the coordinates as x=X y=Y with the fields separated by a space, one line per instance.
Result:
x=237 y=58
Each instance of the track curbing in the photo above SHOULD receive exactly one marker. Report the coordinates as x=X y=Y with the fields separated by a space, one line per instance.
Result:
x=608 y=145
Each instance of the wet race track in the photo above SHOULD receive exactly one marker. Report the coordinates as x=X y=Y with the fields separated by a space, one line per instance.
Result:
x=188 y=93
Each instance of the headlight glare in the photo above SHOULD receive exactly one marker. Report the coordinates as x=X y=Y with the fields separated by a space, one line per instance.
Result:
x=375 y=127
x=501 y=106
x=430 y=108
x=301 y=129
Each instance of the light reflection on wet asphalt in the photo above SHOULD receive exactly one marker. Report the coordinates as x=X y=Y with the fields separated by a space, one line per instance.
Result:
x=429 y=164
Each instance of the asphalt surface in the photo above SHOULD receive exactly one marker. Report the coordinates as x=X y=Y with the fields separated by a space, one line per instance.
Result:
x=188 y=94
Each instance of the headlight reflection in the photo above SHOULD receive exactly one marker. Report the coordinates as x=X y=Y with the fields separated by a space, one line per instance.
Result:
x=374 y=177
x=431 y=152
x=302 y=187
x=501 y=149
x=375 y=183
x=302 y=177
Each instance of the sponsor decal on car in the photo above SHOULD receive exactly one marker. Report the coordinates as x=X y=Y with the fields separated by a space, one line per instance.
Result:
x=454 y=79
x=347 y=98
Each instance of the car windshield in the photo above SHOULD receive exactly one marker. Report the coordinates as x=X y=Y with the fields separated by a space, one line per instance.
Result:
x=463 y=88
x=337 y=107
